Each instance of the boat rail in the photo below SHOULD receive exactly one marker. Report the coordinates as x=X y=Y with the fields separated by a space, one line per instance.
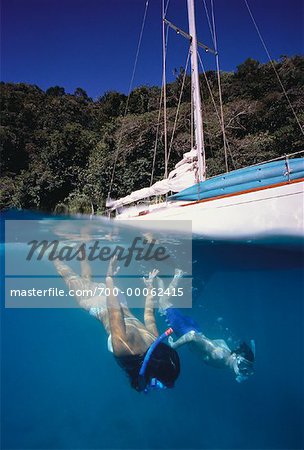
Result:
x=282 y=157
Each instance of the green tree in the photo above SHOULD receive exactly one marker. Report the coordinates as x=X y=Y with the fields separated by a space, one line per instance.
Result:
x=59 y=149
x=55 y=91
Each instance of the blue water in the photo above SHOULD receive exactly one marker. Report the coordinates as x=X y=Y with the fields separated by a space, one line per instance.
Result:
x=61 y=389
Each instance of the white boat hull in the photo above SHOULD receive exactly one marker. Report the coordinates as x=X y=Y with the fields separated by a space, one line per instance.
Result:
x=275 y=210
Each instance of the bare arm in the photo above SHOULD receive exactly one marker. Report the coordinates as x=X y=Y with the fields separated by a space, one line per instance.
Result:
x=115 y=314
x=116 y=320
x=188 y=337
x=149 y=315
x=202 y=341
x=164 y=301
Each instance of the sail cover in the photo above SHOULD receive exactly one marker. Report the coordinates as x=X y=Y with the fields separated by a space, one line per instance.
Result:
x=183 y=176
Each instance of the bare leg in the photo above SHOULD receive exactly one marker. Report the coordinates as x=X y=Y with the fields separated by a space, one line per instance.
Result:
x=76 y=283
x=149 y=315
x=72 y=280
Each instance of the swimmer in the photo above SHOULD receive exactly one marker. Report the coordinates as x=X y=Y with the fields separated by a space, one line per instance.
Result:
x=214 y=352
x=128 y=338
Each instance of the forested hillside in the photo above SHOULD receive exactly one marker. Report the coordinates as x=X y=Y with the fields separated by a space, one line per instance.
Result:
x=58 y=149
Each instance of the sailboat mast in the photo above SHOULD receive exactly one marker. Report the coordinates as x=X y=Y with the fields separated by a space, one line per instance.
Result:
x=196 y=95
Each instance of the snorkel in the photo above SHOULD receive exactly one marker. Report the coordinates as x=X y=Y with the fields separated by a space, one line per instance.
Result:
x=154 y=382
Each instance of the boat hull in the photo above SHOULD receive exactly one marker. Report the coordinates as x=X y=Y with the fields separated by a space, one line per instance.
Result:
x=272 y=210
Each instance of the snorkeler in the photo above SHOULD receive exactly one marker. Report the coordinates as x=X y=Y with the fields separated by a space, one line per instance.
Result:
x=213 y=352
x=136 y=346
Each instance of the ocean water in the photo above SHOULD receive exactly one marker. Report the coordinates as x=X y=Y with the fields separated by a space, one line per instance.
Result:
x=61 y=389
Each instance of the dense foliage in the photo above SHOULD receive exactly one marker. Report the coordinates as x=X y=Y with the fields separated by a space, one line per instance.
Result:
x=58 y=149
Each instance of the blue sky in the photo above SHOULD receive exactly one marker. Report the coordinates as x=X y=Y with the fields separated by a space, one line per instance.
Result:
x=92 y=43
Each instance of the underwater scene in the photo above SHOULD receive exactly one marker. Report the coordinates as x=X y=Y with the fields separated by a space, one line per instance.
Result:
x=61 y=387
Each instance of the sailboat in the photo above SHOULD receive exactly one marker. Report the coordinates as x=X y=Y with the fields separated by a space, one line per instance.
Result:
x=259 y=200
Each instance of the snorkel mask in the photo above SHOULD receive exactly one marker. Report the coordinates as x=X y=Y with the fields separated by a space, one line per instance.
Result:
x=243 y=368
x=154 y=383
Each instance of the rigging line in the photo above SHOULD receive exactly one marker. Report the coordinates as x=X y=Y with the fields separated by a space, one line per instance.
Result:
x=219 y=86
x=230 y=153
x=129 y=94
x=166 y=8
x=209 y=87
x=215 y=45
x=158 y=120
x=273 y=66
x=164 y=88
x=214 y=40
x=214 y=104
x=156 y=138
x=179 y=103
x=209 y=22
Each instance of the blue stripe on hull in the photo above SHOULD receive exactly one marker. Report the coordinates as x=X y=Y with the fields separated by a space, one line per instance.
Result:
x=243 y=179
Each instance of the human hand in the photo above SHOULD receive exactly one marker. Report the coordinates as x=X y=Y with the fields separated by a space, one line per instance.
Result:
x=149 y=281
x=170 y=341
x=178 y=273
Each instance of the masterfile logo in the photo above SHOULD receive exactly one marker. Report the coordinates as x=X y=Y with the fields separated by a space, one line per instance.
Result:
x=49 y=263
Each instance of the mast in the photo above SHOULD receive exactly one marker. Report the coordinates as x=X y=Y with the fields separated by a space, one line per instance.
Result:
x=196 y=95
